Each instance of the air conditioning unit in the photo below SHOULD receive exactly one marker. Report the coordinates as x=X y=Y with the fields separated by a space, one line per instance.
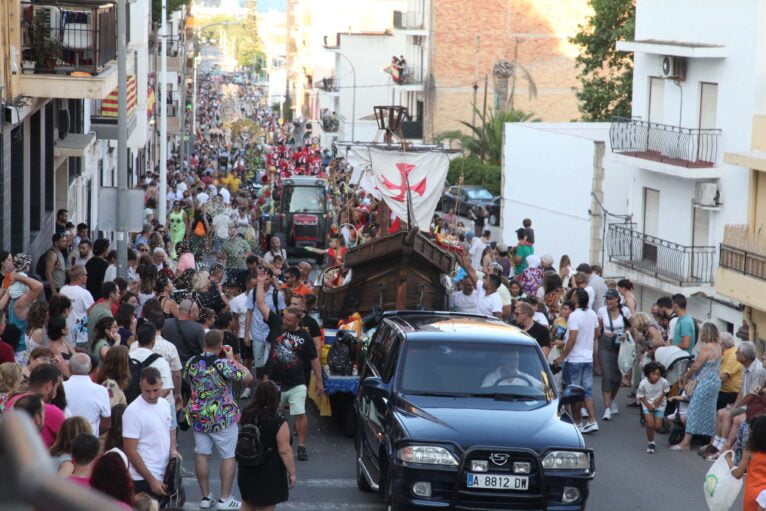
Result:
x=707 y=194
x=673 y=67
x=51 y=18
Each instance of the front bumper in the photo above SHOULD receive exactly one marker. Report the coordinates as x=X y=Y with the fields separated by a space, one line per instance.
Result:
x=449 y=488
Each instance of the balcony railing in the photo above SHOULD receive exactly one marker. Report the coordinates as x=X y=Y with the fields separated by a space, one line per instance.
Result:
x=174 y=45
x=665 y=260
x=328 y=85
x=684 y=147
x=742 y=261
x=65 y=37
x=408 y=20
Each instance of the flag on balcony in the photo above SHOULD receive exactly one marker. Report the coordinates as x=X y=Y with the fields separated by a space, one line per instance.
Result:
x=109 y=105
x=410 y=180
x=151 y=100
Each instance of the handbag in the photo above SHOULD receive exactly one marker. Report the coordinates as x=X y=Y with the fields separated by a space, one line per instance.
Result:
x=689 y=387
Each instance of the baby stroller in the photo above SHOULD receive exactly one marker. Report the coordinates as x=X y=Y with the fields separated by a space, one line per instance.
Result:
x=676 y=362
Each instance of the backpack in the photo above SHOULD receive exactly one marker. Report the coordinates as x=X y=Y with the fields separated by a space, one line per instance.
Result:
x=173 y=479
x=249 y=451
x=40 y=266
x=339 y=358
x=134 y=390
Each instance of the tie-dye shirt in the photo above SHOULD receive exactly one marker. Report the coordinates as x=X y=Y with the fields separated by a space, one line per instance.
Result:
x=212 y=407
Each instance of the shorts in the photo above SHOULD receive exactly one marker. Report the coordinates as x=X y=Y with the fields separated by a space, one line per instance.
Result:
x=225 y=442
x=260 y=353
x=296 y=398
x=656 y=413
x=579 y=373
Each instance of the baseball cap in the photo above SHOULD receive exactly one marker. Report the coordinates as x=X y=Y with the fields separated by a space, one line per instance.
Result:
x=612 y=293
x=585 y=268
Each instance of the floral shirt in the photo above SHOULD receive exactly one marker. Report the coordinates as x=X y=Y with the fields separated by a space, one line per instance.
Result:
x=212 y=407
x=531 y=279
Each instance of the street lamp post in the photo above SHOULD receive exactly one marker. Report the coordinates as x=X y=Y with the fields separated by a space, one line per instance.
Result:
x=163 y=191
x=353 y=97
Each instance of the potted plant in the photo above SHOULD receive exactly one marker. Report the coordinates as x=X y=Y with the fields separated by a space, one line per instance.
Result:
x=45 y=48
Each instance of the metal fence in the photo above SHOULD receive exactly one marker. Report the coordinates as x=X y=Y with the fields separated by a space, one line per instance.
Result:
x=27 y=476
x=742 y=261
x=686 y=265
x=671 y=144
x=71 y=36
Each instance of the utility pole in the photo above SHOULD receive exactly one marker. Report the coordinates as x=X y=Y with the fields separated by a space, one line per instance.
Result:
x=475 y=80
x=163 y=193
x=484 y=114
x=122 y=138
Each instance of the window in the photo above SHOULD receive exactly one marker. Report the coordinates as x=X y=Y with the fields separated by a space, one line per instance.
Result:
x=479 y=193
x=18 y=207
x=475 y=368
x=36 y=182
x=305 y=199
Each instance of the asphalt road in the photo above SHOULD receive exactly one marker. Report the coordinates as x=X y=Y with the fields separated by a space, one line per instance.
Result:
x=626 y=477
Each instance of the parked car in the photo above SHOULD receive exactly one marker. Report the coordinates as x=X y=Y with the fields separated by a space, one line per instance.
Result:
x=460 y=411
x=463 y=198
x=493 y=211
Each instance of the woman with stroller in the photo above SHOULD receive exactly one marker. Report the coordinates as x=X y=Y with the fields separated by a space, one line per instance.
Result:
x=705 y=372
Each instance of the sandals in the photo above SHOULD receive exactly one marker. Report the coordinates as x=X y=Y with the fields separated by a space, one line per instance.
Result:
x=678 y=447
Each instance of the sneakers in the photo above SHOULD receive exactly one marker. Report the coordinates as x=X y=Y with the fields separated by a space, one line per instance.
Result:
x=614 y=408
x=302 y=454
x=230 y=503
x=245 y=393
x=591 y=427
x=650 y=448
x=607 y=415
x=584 y=412
x=206 y=502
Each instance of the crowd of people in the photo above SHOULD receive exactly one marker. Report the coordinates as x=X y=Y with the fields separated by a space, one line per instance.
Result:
x=580 y=319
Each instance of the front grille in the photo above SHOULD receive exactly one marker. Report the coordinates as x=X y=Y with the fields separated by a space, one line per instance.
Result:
x=305 y=232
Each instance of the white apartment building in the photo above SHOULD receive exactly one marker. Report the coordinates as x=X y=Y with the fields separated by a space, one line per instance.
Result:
x=666 y=191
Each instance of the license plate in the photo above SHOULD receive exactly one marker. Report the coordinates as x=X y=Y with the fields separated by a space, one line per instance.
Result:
x=497 y=482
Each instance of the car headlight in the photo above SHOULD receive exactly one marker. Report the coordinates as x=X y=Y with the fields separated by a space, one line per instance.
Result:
x=566 y=460
x=427 y=455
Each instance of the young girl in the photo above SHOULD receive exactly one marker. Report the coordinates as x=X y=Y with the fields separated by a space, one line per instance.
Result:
x=652 y=393
x=754 y=462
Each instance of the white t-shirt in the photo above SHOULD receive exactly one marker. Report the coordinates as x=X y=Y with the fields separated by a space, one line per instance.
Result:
x=77 y=321
x=221 y=223
x=488 y=305
x=238 y=306
x=269 y=256
x=475 y=251
x=150 y=425
x=141 y=354
x=87 y=399
x=651 y=391
x=202 y=198
x=585 y=323
x=505 y=295
x=224 y=192
x=591 y=296
x=461 y=302
x=618 y=325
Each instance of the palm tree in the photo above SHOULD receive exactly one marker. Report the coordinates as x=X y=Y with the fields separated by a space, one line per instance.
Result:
x=508 y=71
x=486 y=139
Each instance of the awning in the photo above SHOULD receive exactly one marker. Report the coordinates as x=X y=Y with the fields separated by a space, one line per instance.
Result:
x=675 y=48
x=74 y=145
x=753 y=159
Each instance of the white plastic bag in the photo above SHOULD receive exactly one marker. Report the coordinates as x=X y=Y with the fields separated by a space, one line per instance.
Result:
x=553 y=354
x=721 y=488
x=627 y=356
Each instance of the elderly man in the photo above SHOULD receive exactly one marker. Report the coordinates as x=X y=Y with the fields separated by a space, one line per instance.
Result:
x=465 y=300
x=305 y=268
x=731 y=372
x=85 y=398
x=727 y=425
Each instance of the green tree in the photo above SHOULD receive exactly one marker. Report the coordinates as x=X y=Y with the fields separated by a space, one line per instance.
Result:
x=170 y=6
x=485 y=140
x=606 y=75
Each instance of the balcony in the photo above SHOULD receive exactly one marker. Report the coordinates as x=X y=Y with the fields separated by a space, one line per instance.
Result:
x=411 y=22
x=175 y=53
x=412 y=130
x=673 y=150
x=328 y=122
x=741 y=271
x=68 y=49
x=663 y=260
x=328 y=85
x=103 y=119
x=407 y=78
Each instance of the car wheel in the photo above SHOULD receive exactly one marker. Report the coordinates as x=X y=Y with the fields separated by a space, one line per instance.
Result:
x=493 y=219
x=361 y=481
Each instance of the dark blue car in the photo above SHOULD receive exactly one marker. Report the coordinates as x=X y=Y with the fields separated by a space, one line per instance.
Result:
x=461 y=412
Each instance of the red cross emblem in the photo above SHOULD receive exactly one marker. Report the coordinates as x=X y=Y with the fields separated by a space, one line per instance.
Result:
x=404 y=171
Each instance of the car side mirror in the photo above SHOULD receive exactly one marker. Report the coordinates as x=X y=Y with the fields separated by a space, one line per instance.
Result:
x=375 y=387
x=572 y=394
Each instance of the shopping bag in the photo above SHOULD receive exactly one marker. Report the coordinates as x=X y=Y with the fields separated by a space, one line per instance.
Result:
x=553 y=354
x=627 y=355
x=721 y=488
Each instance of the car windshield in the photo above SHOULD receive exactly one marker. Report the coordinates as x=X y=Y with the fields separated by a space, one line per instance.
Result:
x=305 y=199
x=475 y=369
x=478 y=193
